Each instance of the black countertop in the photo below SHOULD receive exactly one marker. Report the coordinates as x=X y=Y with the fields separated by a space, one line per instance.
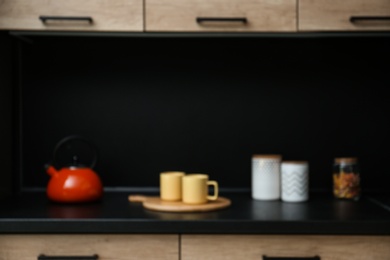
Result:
x=34 y=213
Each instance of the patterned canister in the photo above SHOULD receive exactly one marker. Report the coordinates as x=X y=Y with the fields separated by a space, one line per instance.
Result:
x=266 y=176
x=295 y=181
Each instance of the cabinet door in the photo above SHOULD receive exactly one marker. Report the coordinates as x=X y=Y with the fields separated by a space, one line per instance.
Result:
x=347 y=15
x=59 y=15
x=220 y=15
x=249 y=247
x=119 y=247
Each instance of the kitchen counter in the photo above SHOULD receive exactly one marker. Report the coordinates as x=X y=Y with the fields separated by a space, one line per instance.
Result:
x=33 y=213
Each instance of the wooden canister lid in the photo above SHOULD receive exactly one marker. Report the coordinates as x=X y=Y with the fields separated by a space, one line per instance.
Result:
x=267 y=156
x=345 y=160
x=295 y=162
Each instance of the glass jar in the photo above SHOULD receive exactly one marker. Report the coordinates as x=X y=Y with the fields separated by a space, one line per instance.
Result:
x=346 y=178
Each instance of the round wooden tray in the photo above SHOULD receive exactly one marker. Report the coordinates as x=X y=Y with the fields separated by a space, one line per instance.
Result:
x=155 y=203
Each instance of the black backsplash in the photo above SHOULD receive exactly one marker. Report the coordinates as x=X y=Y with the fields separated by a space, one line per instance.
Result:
x=207 y=105
x=6 y=114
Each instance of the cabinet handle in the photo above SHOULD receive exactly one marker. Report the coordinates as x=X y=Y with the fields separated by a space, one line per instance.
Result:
x=44 y=257
x=291 y=258
x=45 y=18
x=242 y=20
x=357 y=19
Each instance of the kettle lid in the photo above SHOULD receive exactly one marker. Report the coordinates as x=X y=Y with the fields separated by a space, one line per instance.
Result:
x=76 y=164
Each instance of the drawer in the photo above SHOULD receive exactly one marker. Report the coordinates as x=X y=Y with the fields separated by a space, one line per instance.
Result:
x=256 y=246
x=119 y=247
x=348 y=15
x=220 y=15
x=89 y=15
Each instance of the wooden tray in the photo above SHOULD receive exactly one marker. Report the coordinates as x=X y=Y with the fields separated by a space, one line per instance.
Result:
x=155 y=203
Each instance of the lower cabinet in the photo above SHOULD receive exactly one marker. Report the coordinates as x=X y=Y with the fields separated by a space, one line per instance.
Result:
x=270 y=247
x=221 y=16
x=72 y=15
x=186 y=247
x=101 y=247
x=347 y=15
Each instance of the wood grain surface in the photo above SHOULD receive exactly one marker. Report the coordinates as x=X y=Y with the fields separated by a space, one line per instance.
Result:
x=334 y=15
x=155 y=203
x=180 y=16
x=331 y=247
x=114 y=15
x=119 y=247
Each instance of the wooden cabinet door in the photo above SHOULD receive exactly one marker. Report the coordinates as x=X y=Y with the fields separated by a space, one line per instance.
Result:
x=220 y=15
x=232 y=247
x=61 y=15
x=347 y=15
x=106 y=247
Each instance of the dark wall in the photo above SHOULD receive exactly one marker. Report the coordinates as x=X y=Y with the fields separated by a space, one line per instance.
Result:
x=6 y=112
x=207 y=105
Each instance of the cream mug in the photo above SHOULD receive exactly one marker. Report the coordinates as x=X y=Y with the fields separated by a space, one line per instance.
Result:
x=195 y=188
x=171 y=185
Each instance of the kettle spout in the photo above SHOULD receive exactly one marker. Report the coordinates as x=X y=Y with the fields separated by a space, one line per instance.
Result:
x=50 y=170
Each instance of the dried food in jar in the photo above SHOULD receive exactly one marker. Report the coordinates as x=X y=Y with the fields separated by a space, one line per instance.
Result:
x=346 y=179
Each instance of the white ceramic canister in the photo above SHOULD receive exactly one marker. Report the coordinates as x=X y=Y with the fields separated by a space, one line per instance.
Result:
x=295 y=181
x=266 y=177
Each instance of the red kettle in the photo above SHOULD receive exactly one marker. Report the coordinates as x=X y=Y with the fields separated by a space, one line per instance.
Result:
x=75 y=182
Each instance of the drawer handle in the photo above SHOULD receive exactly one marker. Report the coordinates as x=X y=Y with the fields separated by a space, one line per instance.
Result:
x=242 y=20
x=44 y=257
x=291 y=258
x=357 y=19
x=45 y=18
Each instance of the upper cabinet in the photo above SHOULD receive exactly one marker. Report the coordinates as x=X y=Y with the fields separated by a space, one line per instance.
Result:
x=346 y=15
x=220 y=15
x=61 y=15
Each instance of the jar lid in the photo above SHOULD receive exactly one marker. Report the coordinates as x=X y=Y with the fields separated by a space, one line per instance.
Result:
x=267 y=156
x=345 y=160
x=295 y=162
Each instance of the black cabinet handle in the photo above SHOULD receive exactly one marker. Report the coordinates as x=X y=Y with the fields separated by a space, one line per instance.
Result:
x=356 y=19
x=291 y=258
x=45 y=18
x=44 y=257
x=242 y=20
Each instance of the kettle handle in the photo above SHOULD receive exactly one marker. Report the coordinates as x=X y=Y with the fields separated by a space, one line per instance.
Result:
x=80 y=138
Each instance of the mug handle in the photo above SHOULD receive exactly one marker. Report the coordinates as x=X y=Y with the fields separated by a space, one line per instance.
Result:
x=215 y=184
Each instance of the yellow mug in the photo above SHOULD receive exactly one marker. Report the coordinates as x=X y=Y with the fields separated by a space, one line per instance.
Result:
x=195 y=189
x=171 y=185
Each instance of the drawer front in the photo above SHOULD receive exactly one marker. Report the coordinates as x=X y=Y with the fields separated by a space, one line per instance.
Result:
x=249 y=247
x=106 y=15
x=119 y=247
x=220 y=15
x=348 y=15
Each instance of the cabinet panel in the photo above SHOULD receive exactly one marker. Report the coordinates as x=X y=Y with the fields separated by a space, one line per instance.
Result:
x=255 y=246
x=350 y=15
x=97 y=15
x=120 y=247
x=221 y=15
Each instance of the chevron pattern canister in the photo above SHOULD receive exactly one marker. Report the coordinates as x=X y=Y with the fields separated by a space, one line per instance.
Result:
x=295 y=181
